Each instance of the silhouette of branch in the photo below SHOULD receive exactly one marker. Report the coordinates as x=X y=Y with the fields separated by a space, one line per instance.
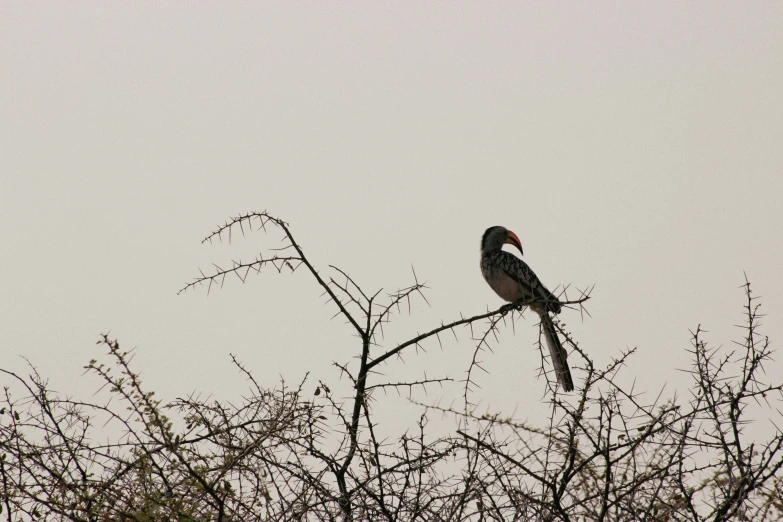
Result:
x=607 y=452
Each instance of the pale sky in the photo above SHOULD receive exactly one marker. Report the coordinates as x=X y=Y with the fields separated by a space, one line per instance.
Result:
x=634 y=147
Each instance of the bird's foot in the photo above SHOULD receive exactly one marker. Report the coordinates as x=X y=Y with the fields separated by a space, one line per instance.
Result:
x=507 y=308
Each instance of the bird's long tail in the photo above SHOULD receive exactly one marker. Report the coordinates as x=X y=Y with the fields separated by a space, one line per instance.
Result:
x=557 y=353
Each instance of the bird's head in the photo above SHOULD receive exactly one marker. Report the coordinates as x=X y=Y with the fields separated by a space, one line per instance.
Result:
x=495 y=237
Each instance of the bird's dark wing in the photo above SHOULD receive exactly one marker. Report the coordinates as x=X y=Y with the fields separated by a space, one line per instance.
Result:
x=520 y=272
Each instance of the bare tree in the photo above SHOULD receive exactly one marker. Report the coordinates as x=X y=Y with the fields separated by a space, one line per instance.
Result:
x=603 y=453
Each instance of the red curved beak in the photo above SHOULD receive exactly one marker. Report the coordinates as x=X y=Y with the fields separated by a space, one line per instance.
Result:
x=512 y=239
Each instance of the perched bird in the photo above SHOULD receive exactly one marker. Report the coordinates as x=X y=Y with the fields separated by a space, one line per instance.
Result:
x=512 y=279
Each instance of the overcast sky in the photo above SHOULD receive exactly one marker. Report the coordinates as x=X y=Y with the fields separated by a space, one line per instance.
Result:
x=634 y=147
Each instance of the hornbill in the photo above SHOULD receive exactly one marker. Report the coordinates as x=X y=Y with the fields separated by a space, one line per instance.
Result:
x=512 y=279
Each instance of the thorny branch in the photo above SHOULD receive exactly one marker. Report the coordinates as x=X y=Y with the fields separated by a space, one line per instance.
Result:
x=607 y=452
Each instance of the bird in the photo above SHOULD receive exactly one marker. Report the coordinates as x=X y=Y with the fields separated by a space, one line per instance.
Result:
x=512 y=279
